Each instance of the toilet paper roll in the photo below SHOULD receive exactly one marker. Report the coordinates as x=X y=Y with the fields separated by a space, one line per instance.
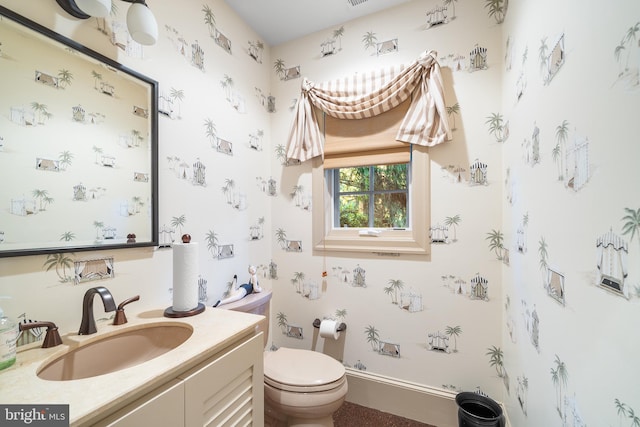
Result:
x=329 y=329
x=185 y=276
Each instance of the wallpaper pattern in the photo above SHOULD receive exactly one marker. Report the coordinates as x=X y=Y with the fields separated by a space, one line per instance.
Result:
x=532 y=289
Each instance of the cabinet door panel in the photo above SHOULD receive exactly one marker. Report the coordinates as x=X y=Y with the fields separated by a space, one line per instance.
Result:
x=228 y=390
x=163 y=407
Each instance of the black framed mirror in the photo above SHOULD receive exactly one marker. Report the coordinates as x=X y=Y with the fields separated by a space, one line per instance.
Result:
x=78 y=146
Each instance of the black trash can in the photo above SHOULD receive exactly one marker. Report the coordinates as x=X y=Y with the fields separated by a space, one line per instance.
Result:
x=476 y=410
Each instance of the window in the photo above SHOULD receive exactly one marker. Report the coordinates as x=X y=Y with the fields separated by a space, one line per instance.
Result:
x=371 y=192
x=413 y=239
x=371 y=196
x=361 y=116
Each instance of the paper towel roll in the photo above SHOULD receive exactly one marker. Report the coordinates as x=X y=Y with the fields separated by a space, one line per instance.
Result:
x=329 y=329
x=185 y=276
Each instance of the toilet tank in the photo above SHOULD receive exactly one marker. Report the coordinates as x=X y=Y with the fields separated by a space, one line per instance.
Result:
x=255 y=303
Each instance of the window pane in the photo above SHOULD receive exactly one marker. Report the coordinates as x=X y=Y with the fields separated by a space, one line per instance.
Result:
x=354 y=179
x=390 y=177
x=390 y=210
x=371 y=196
x=354 y=211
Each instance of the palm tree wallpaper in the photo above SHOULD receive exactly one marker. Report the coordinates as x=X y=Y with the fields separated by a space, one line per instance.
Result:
x=178 y=223
x=256 y=50
x=538 y=333
x=212 y=243
x=496 y=239
x=627 y=416
x=455 y=332
x=496 y=126
x=176 y=96
x=627 y=55
x=60 y=262
x=497 y=9
x=559 y=376
x=452 y=112
x=453 y=222
x=209 y=19
x=631 y=224
x=369 y=40
x=562 y=132
x=496 y=357
x=372 y=336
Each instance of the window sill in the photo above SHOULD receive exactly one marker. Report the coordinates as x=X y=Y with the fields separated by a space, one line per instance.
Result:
x=414 y=241
x=387 y=242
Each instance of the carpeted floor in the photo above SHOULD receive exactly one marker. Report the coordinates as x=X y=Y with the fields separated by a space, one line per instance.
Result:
x=352 y=415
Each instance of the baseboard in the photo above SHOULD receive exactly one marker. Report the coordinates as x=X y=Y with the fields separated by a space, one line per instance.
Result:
x=417 y=402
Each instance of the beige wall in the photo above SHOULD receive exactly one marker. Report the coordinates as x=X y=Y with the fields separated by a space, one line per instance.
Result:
x=592 y=334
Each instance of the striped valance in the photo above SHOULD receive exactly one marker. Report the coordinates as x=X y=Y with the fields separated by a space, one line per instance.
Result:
x=369 y=94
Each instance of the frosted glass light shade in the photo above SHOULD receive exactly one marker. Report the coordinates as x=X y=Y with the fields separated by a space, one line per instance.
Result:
x=95 y=8
x=141 y=24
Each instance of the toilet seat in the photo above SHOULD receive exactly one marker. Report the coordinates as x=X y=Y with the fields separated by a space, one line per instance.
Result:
x=306 y=371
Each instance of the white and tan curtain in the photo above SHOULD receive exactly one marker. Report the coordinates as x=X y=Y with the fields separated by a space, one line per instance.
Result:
x=369 y=94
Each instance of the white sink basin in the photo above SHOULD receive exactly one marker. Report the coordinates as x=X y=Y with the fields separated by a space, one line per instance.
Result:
x=114 y=352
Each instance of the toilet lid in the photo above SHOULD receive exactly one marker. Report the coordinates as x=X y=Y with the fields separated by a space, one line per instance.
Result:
x=306 y=368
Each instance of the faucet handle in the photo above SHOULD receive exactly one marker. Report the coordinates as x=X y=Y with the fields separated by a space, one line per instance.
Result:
x=51 y=338
x=121 y=318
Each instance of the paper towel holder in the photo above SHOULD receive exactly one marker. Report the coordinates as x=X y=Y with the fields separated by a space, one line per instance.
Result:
x=170 y=312
x=341 y=327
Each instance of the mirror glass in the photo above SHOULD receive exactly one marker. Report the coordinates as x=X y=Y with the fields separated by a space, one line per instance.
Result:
x=78 y=146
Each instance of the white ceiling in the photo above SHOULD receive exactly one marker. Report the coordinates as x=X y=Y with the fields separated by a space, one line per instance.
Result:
x=278 y=21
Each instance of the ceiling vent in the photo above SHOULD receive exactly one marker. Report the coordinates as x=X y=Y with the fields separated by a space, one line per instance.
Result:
x=356 y=2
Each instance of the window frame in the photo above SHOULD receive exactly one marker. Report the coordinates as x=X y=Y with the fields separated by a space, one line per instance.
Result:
x=413 y=240
x=334 y=176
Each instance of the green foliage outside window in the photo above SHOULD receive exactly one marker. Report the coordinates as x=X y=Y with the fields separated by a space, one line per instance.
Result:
x=372 y=196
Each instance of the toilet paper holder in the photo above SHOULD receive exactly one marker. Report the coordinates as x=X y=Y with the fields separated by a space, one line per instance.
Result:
x=341 y=326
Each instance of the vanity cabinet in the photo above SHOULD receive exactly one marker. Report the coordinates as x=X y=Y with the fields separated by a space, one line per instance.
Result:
x=162 y=407
x=224 y=390
x=228 y=390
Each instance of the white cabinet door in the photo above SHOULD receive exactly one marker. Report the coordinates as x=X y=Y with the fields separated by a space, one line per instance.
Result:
x=163 y=407
x=227 y=390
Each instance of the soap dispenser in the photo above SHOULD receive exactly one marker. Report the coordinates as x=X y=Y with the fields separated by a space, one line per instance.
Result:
x=8 y=337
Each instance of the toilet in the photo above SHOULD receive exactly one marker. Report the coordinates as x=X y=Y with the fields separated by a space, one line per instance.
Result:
x=301 y=387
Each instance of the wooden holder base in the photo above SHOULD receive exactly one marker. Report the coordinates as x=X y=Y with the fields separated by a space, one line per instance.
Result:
x=170 y=312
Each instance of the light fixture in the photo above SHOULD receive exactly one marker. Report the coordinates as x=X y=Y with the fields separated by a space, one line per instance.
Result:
x=96 y=8
x=141 y=23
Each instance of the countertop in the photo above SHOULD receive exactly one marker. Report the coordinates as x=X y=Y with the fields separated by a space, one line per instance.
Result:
x=91 y=399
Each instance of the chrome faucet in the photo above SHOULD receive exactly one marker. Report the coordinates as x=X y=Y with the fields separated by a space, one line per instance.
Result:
x=88 y=325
